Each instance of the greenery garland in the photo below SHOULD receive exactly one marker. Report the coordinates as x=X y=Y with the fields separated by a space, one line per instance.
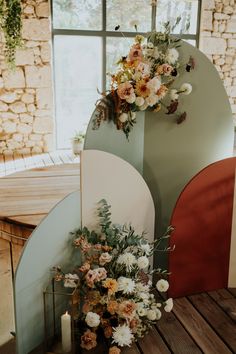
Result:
x=11 y=25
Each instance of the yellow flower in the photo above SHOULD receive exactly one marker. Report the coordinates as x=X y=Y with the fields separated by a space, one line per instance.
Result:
x=111 y=285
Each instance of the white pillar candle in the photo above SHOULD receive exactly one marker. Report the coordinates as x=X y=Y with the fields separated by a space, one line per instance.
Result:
x=66 y=332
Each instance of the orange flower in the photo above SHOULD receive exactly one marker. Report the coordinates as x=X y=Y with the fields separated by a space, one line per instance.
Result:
x=112 y=307
x=106 y=248
x=87 y=307
x=114 y=350
x=162 y=91
x=111 y=285
x=127 y=309
x=85 y=267
x=142 y=89
x=165 y=69
x=108 y=332
x=88 y=340
x=133 y=324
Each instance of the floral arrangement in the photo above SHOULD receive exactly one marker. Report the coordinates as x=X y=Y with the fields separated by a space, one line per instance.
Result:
x=143 y=79
x=117 y=298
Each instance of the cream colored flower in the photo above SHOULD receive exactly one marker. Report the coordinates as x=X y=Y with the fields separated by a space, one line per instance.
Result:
x=123 y=117
x=151 y=315
x=186 y=89
x=174 y=95
x=131 y=98
x=126 y=285
x=92 y=319
x=127 y=259
x=158 y=314
x=162 y=285
x=143 y=262
x=154 y=84
x=172 y=56
x=139 y=101
x=71 y=280
x=122 y=335
x=105 y=258
x=168 y=305
x=142 y=311
x=152 y=100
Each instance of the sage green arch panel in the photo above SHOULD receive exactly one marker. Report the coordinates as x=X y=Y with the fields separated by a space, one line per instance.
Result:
x=108 y=139
x=48 y=246
x=172 y=154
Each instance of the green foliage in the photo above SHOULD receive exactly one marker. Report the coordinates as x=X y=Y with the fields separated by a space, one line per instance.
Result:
x=11 y=25
x=79 y=136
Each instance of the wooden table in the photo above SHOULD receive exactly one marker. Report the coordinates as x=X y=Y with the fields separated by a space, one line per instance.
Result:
x=27 y=197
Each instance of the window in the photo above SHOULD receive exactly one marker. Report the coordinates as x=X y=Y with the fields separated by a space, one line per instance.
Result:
x=86 y=47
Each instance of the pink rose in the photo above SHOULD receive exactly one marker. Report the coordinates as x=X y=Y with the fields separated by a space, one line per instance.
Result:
x=125 y=90
x=135 y=53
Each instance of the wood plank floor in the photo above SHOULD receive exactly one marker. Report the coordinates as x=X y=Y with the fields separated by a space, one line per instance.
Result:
x=202 y=323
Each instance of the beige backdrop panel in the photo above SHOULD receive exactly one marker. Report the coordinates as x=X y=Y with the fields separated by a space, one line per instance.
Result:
x=106 y=176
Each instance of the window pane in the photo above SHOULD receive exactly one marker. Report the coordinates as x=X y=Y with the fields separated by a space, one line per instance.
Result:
x=77 y=14
x=78 y=68
x=122 y=12
x=186 y=9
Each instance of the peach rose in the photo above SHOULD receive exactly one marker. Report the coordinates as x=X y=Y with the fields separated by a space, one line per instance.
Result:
x=114 y=350
x=112 y=307
x=105 y=258
x=162 y=91
x=88 y=340
x=90 y=278
x=135 y=53
x=127 y=309
x=101 y=273
x=85 y=267
x=125 y=90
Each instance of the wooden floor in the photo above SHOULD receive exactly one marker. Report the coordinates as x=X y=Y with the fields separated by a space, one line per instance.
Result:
x=203 y=323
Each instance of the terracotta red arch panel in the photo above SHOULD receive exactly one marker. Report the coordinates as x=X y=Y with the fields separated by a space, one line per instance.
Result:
x=202 y=219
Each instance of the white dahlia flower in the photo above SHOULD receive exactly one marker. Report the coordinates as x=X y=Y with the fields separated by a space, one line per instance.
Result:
x=172 y=56
x=126 y=285
x=122 y=335
x=127 y=259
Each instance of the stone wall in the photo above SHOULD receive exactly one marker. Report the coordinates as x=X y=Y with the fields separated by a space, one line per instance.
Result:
x=218 y=41
x=26 y=102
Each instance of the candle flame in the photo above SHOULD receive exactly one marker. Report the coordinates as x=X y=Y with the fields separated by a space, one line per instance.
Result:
x=66 y=312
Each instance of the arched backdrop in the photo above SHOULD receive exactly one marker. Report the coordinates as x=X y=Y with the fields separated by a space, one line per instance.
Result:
x=169 y=155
